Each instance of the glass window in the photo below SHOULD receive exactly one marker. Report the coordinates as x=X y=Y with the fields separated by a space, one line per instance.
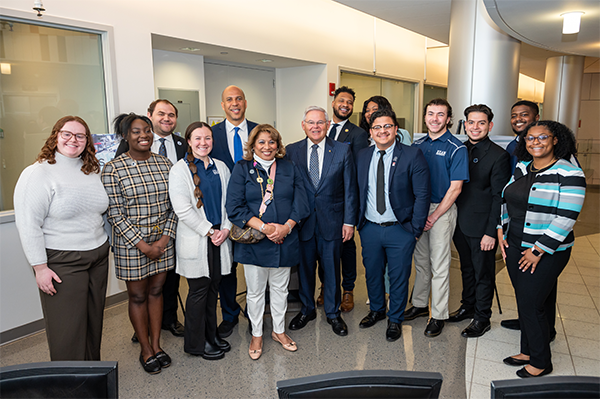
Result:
x=45 y=74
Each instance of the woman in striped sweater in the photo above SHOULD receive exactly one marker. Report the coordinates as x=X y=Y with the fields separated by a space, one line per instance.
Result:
x=541 y=203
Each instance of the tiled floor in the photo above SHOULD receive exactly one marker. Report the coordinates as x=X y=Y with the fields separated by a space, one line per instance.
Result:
x=576 y=350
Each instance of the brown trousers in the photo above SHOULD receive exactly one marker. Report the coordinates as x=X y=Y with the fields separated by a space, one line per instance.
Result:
x=73 y=316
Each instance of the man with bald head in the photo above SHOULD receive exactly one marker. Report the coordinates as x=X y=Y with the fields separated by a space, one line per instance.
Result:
x=229 y=138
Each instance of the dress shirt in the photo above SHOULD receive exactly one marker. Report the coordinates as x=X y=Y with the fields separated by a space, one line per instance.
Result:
x=320 y=153
x=243 y=132
x=371 y=212
x=169 y=145
x=338 y=129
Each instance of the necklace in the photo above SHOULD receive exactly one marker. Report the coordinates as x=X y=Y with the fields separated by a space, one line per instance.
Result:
x=533 y=169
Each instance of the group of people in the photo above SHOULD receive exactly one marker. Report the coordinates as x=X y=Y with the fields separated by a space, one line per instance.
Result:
x=179 y=206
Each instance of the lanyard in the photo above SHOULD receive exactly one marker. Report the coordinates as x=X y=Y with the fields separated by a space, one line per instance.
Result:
x=268 y=196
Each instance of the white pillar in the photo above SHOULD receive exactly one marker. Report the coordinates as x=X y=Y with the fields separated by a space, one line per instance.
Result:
x=483 y=64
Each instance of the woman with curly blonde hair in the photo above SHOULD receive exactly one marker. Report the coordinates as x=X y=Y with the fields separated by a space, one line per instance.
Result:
x=59 y=202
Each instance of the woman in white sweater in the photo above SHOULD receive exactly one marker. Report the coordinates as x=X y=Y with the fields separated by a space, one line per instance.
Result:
x=59 y=202
x=197 y=188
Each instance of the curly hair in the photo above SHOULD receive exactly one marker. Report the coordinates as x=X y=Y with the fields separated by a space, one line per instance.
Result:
x=88 y=156
x=249 y=146
x=564 y=148
x=190 y=158
x=381 y=102
x=440 y=102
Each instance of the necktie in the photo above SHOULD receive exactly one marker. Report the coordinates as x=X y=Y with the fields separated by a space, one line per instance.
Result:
x=162 y=150
x=238 y=150
x=380 y=184
x=313 y=168
x=333 y=131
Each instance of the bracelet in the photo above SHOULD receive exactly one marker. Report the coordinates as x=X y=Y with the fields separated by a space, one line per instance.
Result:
x=262 y=227
x=289 y=226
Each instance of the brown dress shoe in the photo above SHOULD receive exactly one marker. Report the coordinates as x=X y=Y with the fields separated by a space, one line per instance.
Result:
x=321 y=298
x=347 y=301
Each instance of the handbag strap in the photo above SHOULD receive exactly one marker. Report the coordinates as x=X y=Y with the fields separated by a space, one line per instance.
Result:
x=269 y=191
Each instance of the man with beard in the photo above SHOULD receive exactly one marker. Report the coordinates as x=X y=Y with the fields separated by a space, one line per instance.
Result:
x=478 y=216
x=522 y=114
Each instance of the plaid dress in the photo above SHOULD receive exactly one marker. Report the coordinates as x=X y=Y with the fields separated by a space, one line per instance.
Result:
x=139 y=209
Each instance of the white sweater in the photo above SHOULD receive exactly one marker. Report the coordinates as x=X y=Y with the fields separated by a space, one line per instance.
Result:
x=59 y=207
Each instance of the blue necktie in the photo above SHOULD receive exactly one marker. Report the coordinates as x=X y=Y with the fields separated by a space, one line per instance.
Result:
x=238 y=149
x=313 y=168
x=162 y=150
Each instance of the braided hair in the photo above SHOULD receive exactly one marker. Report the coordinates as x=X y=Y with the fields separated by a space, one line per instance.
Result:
x=190 y=158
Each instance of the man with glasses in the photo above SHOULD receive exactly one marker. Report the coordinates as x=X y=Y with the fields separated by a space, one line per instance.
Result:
x=394 y=193
x=329 y=177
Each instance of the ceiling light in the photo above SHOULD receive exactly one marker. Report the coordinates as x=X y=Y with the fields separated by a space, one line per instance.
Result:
x=571 y=22
x=265 y=60
x=189 y=49
x=5 y=69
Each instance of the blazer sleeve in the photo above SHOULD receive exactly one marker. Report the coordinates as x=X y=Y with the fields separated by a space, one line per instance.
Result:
x=500 y=175
x=238 y=211
x=225 y=176
x=422 y=192
x=350 y=190
x=361 y=142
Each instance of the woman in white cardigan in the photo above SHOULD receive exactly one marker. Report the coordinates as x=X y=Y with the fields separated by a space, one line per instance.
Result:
x=197 y=187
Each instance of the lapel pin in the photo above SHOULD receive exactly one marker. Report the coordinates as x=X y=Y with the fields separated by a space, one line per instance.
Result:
x=179 y=143
x=346 y=130
x=475 y=160
x=251 y=171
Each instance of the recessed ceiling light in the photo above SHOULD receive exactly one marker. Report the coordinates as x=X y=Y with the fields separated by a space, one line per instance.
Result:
x=189 y=49
x=571 y=22
x=265 y=60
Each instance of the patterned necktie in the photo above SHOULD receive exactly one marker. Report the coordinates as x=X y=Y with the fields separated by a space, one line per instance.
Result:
x=333 y=131
x=381 y=184
x=238 y=150
x=162 y=150
x=313 y=168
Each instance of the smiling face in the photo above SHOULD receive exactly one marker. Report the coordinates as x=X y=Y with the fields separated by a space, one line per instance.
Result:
x=201 y=142
x=265 y=147
x=139 y=137
x=542 y=147
x=477 y=126
x=164 y=119
x=521 y=117
x=71 y=147
x=234 y=104
x=436 y=119
x=383 y=132
x=315 y=125
x=371 y=108
x=343 y=105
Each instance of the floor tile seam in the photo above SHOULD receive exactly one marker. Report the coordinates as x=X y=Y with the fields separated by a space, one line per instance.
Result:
x=470 y=384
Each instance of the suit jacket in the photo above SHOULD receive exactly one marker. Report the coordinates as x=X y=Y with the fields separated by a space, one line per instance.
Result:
x=334 y=202
x=409 y=186
x=180 y=147
x=355 y=137
x=480 y=200
x=220 y=149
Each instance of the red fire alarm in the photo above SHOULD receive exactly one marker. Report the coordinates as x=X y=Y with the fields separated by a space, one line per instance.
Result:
x=331 y=89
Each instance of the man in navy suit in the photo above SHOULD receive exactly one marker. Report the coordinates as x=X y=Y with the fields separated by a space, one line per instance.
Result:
x=229 y=138
x=394 y=192
x=329 y=176
x=163 y=115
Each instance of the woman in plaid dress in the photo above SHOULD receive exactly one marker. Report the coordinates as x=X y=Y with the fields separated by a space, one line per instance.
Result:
x=143 y=225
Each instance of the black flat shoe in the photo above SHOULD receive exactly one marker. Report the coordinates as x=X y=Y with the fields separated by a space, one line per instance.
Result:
x=393 y=332
x=222 y=344
x=134 y=338
x=151 y=365
x=415 y=312
x=212 y=352
x=523 y=373
x=163 y=358
x=338 y=325
x=515 y=362
x=476 y=329
x=434 y=327
x=300 y=320
x=461 y=314
x=371 y=319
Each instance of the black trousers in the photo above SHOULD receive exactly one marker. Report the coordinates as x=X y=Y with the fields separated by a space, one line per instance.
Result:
x=201 y=305
x=170 y=292
x=536 y=299
x=478 y=271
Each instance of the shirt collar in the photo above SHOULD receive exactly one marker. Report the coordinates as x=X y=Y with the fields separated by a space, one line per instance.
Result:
x=389 y=150
x=321 y=145
x=157 y=137
x=230 y=126
x=444 y=138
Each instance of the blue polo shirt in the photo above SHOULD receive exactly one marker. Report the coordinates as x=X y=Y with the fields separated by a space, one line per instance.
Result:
x=448 y=160
x=210 y=185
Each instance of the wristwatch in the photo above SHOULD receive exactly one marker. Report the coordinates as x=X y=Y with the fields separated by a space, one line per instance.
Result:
x=211 y=232
x=535 y=252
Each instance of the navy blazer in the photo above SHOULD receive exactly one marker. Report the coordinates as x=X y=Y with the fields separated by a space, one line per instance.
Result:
x=334 y=202
x=289 y=202
x=180 y=147
x=354 y=136
x=220 y=149
x=409 y=186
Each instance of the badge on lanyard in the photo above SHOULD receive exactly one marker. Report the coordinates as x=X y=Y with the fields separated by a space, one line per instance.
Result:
x=259 y=180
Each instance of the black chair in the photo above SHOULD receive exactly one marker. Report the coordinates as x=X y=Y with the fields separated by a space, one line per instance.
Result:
x=547 y=387
x=377 y=384
x=60 y=380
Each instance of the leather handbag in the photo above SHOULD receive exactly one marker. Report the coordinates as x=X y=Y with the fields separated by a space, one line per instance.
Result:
x=246 y=235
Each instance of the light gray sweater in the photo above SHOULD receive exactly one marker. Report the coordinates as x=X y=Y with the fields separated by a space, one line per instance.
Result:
x=59 y=207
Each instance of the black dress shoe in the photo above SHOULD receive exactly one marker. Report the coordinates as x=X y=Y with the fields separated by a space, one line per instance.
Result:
x=151 y=365
x=393 y=332
x=339 y=326
x=372 y=319
x=300 y=320
x=176 y=328
x=415 y=312
x=226 y=328
x=222 y=344
x=212 y=352
x=434 y=327
x=461 y=314
x=515 y=362
x=134 y=338
x=511 y=324
x=163 y=358
x=476 y=329
x=523 y=373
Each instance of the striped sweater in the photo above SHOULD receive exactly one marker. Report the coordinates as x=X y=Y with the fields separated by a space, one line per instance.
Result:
x=555 y=200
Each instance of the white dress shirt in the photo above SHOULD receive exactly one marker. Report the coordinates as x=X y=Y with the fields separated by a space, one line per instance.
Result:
x=338 y=128
x=320 y=153
x=243 y=132
x=169 y=145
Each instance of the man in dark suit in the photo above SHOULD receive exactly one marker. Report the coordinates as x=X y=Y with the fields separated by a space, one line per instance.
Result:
x=329 y=176
x=394 y=192
x=478 y=216
x=229 y=138
x=342 y=130
x=163 y=115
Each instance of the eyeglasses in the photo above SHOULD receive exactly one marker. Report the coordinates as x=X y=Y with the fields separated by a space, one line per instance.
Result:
x=541 y=138
x=68 y=135
x=313 y=123
x=377 y=128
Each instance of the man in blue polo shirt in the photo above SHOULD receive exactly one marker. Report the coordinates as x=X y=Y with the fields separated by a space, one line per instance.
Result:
x=448 y=162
